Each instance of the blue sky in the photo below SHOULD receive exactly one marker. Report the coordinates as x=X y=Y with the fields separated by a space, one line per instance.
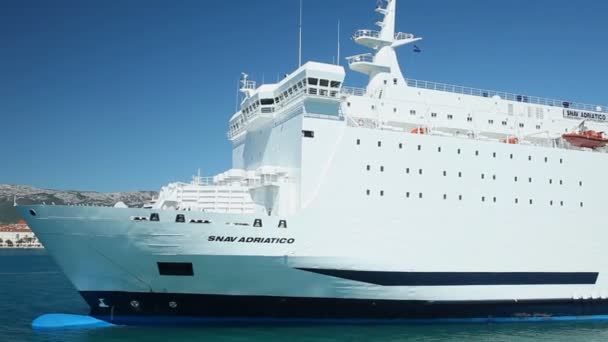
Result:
x=130 y=95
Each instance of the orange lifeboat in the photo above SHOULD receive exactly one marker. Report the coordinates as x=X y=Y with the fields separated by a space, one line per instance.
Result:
x=511 y=141
x=420 y=130
x=587 y=139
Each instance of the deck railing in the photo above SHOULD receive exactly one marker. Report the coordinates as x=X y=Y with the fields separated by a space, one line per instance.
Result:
x=450 y=88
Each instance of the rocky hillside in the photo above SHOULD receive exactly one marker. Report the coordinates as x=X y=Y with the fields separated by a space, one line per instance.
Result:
x=31 y=195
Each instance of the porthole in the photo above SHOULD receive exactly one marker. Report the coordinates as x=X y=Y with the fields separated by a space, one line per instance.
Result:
x=367 y=192
x=494 y=199
x=511 y=156
x=515 y=178
x=445 y=196
x=439 y=149
x=580 y=183
x=529 y=179
x=550 y=181
x=561 y=161
x=358 y=141
x=561 y=182
x=419 y=147
x=581 y=204
x=476 y=153
x=531 y=202
x=407 y=195
x=494 y=177
x=516 y=201
x=420 y=195
x=420 y=171
x=445 y=173
x=530 y=158
x=381 y=168
x=483 y=198
x=494 y=155
x=407 y=170
x=458 y=151
x=460 y=197
x=369 y=167
x=400 y=146
x=483 y=176
x=32 y=212
x=551 y=203
x=561 y=203
x=381 y=192
x=459 y=174
x=546 y=159
x=379 y=143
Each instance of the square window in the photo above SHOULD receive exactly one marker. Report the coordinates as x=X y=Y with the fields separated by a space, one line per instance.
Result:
x=438 y=149
x=476 y=153
x=367 y=192
x=445 y=196
x=407 y=170
x=379 y=143
x=459 y=174
x=419 y=147
x=358 y=141
x=420 y=195
x=369 y=167
x=445 y=173
x=420 y=171
x=400 y=145
x=460 y=197
x=381 y=192
x=458 y=151
x=494 y=154
x=381 y=168
x=407 y=195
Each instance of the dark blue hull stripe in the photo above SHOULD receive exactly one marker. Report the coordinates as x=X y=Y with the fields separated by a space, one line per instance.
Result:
x=200 y=307
x=461 y=278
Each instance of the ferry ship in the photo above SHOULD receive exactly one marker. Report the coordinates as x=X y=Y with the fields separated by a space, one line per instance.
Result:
x=405 y=200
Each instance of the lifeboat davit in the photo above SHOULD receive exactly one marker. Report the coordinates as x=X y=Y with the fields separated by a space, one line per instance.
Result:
x=587 y=139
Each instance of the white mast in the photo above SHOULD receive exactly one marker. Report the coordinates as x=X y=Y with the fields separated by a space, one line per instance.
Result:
x=338 y=59
x=300 y=40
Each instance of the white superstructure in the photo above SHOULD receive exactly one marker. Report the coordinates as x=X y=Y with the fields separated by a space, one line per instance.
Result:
x=406 y=199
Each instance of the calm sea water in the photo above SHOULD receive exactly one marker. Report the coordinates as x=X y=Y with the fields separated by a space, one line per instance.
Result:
x=31 y=284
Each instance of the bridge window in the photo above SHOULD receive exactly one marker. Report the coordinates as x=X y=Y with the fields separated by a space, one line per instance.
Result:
x=266 y=102
x=313 y=81
x=324 y=83
x=335 y=84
